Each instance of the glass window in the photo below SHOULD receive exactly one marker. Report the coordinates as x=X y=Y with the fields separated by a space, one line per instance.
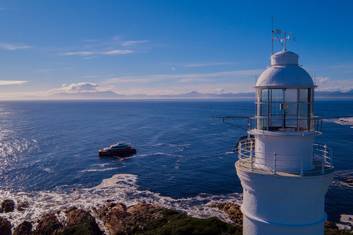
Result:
x=291 y=95
x=279 y=109
x=303 y=95
x=264 y=95
x=277 y=95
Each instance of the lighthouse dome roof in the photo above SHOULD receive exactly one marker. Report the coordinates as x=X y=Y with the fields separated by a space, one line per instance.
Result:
x=285 y=72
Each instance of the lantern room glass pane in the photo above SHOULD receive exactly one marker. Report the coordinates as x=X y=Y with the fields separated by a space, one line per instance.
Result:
x=303 y=95
x=276 y=95
x=291 y=95
x=284 y=109
x=264 y=95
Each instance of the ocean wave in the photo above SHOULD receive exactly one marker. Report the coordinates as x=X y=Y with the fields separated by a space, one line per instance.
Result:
x=170 y=145
x=12 y=145
x=121 y=188
x=343 y=179
x=344 y=121
x=346 y=222
x=159 y=154
x=100 y=169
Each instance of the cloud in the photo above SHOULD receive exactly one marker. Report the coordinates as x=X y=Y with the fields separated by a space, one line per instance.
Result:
x=114 y=52
x=212 y=64
x=13 y=46
x=232 y=81
x=327 y=84
x=186 y=78
x=133 y=43
x=117 y=52
x=112 y=47
x=11 y=82
x=81 y=87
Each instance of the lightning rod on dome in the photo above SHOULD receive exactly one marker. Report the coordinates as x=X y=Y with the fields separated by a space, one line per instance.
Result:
x=281 y=36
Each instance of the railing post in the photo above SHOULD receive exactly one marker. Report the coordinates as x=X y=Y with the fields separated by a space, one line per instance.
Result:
x=274 y=170
x=251 y=155
x=324 y=159
x=302 y=166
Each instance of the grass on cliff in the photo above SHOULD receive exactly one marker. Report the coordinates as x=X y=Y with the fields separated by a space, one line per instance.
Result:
x=181 y=224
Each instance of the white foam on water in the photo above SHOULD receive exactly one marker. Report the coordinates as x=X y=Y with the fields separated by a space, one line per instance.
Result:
x=12 y=145
x=100 y=169
x=344 y=121
x=346 y=222
x=120 y=188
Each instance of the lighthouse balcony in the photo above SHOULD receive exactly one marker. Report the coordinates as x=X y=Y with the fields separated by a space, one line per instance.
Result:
x=249 y=158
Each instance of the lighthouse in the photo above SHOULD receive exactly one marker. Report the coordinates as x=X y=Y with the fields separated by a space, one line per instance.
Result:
x=284 y=173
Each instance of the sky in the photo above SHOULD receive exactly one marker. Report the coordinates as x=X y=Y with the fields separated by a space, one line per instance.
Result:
x=165 y=47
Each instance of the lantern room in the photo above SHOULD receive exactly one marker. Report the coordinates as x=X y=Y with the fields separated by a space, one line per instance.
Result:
x=284 y=96
x=284 y=116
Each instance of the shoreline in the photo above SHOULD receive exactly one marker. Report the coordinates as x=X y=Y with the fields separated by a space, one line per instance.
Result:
x=118 y=200
x=140 y=218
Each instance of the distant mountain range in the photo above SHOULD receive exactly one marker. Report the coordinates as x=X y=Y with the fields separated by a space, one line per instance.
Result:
x=87 y=95
x=188 y=95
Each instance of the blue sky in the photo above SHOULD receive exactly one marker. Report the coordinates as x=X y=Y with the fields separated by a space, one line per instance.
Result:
x=165 y=47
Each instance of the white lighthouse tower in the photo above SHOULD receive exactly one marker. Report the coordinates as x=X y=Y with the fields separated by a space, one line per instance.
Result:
x=284 y=174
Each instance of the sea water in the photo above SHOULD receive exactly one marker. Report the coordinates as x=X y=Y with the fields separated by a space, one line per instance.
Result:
x=185 y=158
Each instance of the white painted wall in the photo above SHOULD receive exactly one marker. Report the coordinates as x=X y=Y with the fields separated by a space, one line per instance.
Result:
x=283 y=205
x=294 y=150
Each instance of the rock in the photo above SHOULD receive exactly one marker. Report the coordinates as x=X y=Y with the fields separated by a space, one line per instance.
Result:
x=25 y=228
x=232 y=210
x=21 y=206
x=8 y=205
x=113 y=216
x=153 y=220
x=5 y=226
x=332 y=229
x=80 y=222
x=48 y=224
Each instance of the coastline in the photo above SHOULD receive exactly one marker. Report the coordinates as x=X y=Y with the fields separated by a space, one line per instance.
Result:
x=117 y=206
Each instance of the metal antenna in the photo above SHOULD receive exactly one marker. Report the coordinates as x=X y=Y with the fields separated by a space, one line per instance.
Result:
x=282 y=37
x=272 y=32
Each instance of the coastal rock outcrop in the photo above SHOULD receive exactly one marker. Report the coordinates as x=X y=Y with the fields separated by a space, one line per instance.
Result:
x=22 y=205
x=232 y=210
x=80 y=221
x=8 y=205
x=113 y=215
x=25 y=228
x=150 y=219
x=5 y=226
x=48 y=224
x=141 y=218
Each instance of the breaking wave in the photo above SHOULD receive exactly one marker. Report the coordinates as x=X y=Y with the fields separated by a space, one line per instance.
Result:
x=344 y=121
x=121 y=188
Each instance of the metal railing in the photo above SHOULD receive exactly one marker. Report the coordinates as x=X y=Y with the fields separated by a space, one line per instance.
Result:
x=321 y=161
x=277 y=122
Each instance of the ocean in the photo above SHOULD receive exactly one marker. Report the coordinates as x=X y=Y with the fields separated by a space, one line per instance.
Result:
x=185 y=158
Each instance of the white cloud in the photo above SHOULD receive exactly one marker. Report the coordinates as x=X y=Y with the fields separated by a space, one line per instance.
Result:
x=114 y=52
x=133 y=43
x=81 y=87
x=117 y=52
x=79 y=53
x=211 y=64
x=158 y=84
x=11 y=82
x=186 y=78
x=327 y=84
x=13 y=46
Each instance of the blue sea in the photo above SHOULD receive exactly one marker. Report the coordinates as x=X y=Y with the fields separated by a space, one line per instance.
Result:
x=48 y=149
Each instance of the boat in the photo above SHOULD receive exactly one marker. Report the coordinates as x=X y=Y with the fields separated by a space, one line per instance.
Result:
x=120 y=150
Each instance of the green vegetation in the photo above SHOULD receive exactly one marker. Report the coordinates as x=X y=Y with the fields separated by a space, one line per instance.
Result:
x=181 y=224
